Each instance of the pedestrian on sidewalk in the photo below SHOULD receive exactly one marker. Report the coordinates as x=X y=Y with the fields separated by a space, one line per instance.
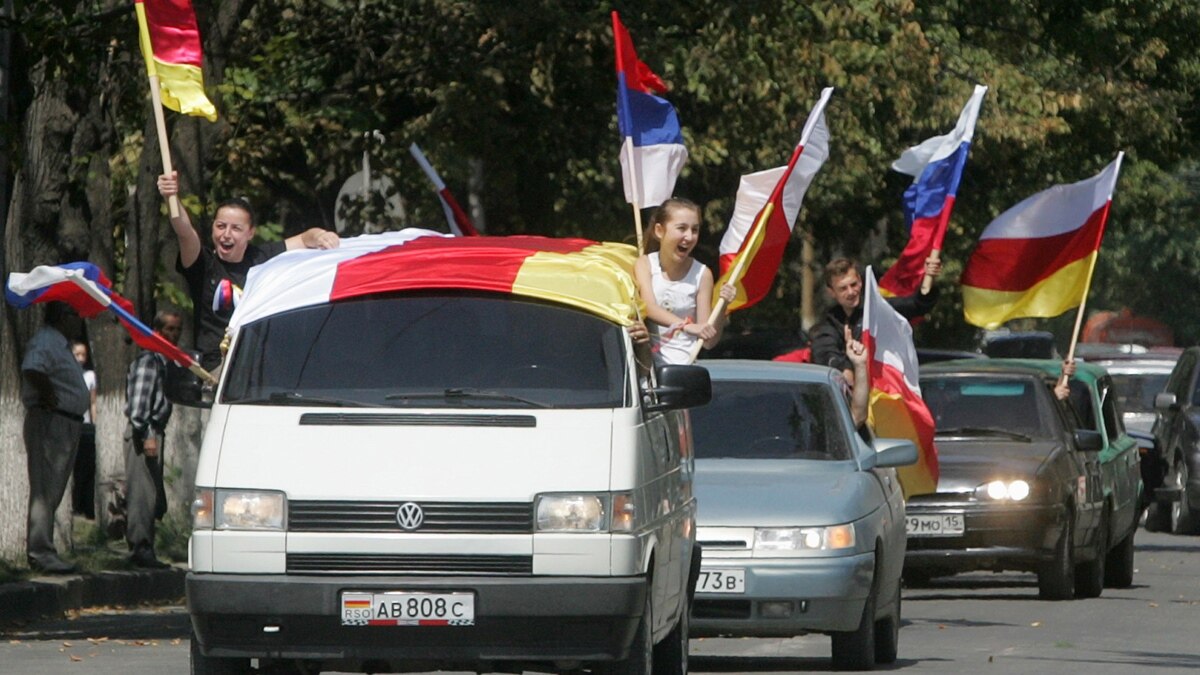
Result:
x=148 y=410
x=55 y=398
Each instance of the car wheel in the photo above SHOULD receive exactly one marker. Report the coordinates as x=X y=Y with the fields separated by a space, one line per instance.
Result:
x=1158 y=517
x=887 y=633
x=209 y=665
x=1183 y=519
x=641 y=653
x=671 y=655
x=855 y=650
x=1056 y=578
x=1118 y=569
x=1089 y=576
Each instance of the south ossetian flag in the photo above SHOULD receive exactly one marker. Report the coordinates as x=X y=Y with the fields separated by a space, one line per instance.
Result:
x=591 y=276
x=937 y=167
x=764 y=215
x=170 y=43
x=896 y=409
x=652 y=151
x=1036 y=259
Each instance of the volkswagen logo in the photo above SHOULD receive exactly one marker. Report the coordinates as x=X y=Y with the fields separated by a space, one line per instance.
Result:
x=410 y=516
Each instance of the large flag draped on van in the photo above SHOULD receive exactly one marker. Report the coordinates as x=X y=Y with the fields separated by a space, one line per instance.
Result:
x=896 y=409
x=1036 y=259
x=596 y=277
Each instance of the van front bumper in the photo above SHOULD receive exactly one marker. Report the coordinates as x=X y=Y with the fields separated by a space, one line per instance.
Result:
x=516 y=619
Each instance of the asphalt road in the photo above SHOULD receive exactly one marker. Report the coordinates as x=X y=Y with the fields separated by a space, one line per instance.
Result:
x=988 y=623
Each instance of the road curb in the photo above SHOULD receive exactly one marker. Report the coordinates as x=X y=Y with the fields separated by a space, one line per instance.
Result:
x=54 y=596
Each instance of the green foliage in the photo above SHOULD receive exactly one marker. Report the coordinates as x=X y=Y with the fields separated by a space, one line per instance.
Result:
x=514 y=104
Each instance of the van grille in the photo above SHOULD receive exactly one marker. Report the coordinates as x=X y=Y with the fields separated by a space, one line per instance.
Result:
x=375 y=563
x=457 y=517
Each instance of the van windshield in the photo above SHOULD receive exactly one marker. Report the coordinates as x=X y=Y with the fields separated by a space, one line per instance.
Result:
x=431 y=351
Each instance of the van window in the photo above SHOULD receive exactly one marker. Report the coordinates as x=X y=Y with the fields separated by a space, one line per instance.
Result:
x=770 y=420
x=431 y=351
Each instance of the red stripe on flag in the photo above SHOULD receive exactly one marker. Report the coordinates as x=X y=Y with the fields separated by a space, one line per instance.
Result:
x=174 y=35
x=1019 y=264
x=759 y=273
x=479 y=263
x=638 y=75
x=904 y=277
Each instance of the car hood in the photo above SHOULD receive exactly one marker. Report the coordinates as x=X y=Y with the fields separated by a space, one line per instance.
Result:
x=783 y=493
x=964 y=465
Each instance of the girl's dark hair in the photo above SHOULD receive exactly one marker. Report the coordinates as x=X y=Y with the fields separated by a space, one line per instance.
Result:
x=650 y=243
x=239 y=203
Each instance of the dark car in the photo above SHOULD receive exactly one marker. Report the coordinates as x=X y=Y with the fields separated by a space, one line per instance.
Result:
x=1020 y=487
x=1177 y=435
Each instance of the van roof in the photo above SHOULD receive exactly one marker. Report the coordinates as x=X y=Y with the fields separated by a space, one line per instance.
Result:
x=596 y=277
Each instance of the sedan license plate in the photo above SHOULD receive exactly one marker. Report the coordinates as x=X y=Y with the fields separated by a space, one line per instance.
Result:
x=949 y=525
x=722 y=580
x=407 y=608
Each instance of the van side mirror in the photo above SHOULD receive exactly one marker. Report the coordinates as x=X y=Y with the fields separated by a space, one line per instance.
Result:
x=680 y=387
x=1087 y=440
x=1165 y=402
x=183 y=387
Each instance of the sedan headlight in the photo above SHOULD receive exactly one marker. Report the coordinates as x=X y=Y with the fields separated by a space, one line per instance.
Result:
x=1012 y=490
x=804 y=538
x=586 y=512
x=238 y=510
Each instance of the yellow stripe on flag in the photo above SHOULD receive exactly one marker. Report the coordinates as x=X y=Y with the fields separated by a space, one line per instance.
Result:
x=1050 y=297
x=745 y=257
x=890 y=418
x=182 y=88
x=597 y=279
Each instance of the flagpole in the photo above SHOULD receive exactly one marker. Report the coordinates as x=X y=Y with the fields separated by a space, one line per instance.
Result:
x=1087 y=287
x=633 y=179
x=160 y=121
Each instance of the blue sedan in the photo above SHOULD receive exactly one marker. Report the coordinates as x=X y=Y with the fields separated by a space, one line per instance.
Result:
x=801 y=516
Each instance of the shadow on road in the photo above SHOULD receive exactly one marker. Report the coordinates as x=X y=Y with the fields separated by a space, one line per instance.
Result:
x=148 y=624
x=779 y=664
x=1134 y=660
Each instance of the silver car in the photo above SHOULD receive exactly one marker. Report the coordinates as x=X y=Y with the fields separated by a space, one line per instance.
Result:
x=801 y=518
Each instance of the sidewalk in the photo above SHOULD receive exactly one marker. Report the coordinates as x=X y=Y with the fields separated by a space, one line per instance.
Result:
x=54 y=596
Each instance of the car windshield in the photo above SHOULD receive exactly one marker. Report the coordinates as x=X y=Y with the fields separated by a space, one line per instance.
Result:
x=1136 y=391
x=431 y=351
x=770 y=420
x=989 y=405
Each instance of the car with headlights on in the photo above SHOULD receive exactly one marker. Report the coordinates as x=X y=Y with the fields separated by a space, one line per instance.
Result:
x=801 y=516
x=1020 y=484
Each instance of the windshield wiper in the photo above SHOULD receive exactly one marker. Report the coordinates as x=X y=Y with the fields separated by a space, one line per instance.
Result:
x=982 y=431
x=295 y=398
x=459 y=393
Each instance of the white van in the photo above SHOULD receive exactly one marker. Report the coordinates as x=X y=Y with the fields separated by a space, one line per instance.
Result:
x=433 y=453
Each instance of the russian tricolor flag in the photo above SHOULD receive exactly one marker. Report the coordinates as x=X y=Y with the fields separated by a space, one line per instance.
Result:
x=88 y=291
x=937 y=166
x=652 y=154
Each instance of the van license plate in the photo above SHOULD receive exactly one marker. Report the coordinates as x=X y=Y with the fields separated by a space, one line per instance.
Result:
x=721 y=580
x=405 y=608
x=950 y=525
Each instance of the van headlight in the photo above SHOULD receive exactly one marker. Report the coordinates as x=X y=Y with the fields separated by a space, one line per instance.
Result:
x=593 y=512
x=238 y=509
x=831 y=538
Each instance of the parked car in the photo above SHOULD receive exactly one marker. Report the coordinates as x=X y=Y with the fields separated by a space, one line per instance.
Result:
x=1177 y=434
x=1026 y=484
x=801 y=520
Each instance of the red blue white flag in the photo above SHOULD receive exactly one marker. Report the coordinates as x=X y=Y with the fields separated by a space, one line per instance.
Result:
x=652 y=154
x=84 y=287
x=937 y=167
x=896 y=409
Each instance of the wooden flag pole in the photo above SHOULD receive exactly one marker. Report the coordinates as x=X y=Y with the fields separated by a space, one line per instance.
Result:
x=160 y=121
x=927 y=282
x=633 y=180
x=1079 y=316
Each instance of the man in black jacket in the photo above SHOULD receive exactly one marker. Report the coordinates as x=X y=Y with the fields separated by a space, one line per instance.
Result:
x=845 y=286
